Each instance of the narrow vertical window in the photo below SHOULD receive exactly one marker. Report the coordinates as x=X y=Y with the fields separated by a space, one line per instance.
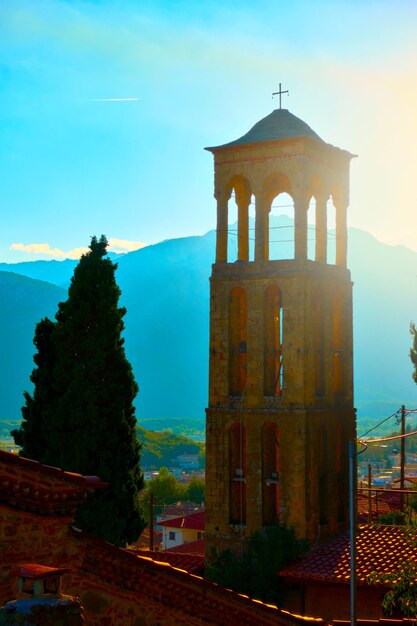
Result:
x=322 y=476
x=270 y=474
x=237 y=473
x=340 y=478
x=273 y=370
x=337 y=344
x=318 y=324
x=238 y=321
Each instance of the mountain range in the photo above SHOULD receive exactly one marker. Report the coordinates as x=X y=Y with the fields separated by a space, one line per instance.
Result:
x=165 y=288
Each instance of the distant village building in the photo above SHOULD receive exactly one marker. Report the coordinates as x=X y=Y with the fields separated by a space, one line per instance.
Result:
x=187 y=461
x=182 y=530
x=178 y=509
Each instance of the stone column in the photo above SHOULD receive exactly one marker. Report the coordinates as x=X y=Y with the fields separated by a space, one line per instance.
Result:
x=300 y=235
x=261 y=228
x=222 y=228
x=243 y=228
x=341 y=231
x=321 y=228
x=266 y=228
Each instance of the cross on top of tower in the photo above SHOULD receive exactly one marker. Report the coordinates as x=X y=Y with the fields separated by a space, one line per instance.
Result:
x=279 y=93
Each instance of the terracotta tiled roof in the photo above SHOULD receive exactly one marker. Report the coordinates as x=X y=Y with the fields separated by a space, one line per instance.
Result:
x=380 y=549
x=194 y=521
x=374 y=622
x=91 y=482
x=191 y=563
x=410 y=479
x=381 y=503
x=194 y=547
x=176 y=586
x=29 y=485
x=35 y=571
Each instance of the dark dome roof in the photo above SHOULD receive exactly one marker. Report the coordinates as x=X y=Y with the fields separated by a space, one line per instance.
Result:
x=280 y=124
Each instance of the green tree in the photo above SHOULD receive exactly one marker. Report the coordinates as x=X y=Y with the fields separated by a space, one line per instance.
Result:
x=166 y=487
x=196 y=489
x=254 y=572
x=31 y=436
x=82 y=409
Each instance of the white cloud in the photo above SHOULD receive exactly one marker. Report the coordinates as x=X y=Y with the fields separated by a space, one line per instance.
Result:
x=44 y=249
x=119 y=246
x=123 y=245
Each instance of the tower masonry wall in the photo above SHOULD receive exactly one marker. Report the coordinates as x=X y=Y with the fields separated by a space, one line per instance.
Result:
x=280 y=411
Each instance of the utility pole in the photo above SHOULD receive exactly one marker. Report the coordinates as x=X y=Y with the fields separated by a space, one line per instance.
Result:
x=353 y=479
x=369 y=493
x=151 y=522
x=402 y=461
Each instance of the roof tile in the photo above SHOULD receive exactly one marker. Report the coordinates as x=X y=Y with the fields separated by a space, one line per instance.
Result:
x=330 y=562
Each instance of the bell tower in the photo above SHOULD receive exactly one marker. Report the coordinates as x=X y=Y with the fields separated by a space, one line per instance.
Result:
x=281 y=374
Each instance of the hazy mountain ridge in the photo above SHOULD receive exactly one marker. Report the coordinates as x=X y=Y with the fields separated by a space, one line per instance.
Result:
x=24 y=301
x=165 y=288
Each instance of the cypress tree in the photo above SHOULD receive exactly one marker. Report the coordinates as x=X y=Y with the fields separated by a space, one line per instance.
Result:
x=88 y=425
x=31 y=436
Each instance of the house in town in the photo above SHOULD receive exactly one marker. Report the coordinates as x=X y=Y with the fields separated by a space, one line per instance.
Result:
x=182 y=530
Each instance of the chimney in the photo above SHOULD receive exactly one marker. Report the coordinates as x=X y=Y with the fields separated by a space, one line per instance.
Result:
x=40 y=599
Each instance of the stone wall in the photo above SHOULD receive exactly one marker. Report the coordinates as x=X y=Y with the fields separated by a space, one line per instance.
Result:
x=314 y=415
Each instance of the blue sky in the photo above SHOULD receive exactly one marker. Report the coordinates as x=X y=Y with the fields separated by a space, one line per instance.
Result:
x=74 y=162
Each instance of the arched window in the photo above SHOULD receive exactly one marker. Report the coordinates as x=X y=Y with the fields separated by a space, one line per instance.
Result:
x=238 y=321
x=238 y=230
x=340 y=478
x=331 y=232
x=270 y=474
x=322 y=475
x=273 y=370
x=237 y=473
x=337 y=344
x=318 y=324
x=281 y=227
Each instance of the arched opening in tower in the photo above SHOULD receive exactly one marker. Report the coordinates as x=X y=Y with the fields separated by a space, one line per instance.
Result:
x=319 y=343
x=237 y=473
x=232 y=230
x=331 y=232
x=239 y=233
x=273 y=358
x=238 y=322
x=270 y=474
x=337 y=344
x=340 y=476
x=323 y=475
x=281 y=227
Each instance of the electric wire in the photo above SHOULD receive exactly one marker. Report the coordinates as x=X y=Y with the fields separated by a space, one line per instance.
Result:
x=392 y=438
x=378 y=425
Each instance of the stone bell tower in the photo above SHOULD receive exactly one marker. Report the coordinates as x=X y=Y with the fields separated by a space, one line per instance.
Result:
x=281 y=375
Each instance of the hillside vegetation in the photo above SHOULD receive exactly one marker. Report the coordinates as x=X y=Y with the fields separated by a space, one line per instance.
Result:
x=161 y=449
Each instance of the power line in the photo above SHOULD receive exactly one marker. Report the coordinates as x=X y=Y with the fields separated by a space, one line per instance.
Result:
x=378 y=425
x=414 y=432
x=396 y=414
